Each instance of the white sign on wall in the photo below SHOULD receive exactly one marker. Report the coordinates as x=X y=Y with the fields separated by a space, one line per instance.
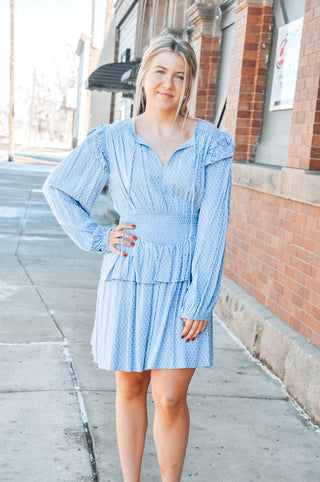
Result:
x=286 y=65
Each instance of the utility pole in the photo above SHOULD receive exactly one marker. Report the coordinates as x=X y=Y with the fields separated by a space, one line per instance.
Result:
x=93 y=20
x=11 y=102
x=32 y=105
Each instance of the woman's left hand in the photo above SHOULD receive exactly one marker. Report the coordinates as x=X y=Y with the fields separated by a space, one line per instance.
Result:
x=192 y=328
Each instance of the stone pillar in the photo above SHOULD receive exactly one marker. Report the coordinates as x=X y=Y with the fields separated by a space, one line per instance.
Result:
x=251 y=44
x=206 y=43
x=304 y=150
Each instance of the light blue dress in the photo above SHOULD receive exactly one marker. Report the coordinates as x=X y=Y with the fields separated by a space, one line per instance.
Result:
x=181 y=213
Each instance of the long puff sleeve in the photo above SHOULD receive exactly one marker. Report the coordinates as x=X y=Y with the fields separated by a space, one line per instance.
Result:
x=73 y=187
x=207 y=262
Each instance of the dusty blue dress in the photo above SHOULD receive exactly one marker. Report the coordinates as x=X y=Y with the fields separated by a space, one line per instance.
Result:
x=181 y=212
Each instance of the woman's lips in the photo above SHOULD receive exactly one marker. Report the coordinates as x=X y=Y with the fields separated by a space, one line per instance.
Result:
x=165 y=95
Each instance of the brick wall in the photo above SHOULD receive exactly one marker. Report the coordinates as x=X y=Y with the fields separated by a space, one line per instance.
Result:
x=208 y=56
x=206 y=44
x=251 y=42
x=273 y=252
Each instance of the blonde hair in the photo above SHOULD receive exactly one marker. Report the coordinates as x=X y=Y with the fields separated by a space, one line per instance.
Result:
x=171 y=44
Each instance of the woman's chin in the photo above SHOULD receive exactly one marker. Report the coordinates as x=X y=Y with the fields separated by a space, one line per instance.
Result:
x=165 y=106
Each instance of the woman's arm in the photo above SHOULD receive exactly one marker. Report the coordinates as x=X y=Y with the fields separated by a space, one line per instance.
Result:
x=73 y=187
x=207 y=263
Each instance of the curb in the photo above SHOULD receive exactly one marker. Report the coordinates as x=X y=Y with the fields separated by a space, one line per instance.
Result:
x=290 y=356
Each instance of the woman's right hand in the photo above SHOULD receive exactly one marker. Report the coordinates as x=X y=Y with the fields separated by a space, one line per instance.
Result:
x=115 y=237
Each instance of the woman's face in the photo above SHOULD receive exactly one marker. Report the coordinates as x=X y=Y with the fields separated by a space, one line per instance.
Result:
x=164 y=80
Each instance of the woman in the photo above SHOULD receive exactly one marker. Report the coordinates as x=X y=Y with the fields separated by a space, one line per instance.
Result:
x=170 y=177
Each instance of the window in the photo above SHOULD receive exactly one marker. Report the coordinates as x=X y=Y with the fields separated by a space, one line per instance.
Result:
x=227 y=21
x=275 y=134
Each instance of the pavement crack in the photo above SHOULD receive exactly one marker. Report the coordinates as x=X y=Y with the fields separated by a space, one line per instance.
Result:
x=38 y=390
x=84 y=416
x=242 y=397
x=23 y=221
x=63 y=342
x=40 y=296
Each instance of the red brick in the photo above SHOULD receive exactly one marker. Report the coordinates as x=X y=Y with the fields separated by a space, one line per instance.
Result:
x=314 y=164
x=285 y=278
x=255 y=11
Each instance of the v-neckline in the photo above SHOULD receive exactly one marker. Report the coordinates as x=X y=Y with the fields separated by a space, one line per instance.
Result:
x=182 y=146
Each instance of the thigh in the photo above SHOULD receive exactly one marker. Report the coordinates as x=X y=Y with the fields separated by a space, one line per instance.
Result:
x=172 y=383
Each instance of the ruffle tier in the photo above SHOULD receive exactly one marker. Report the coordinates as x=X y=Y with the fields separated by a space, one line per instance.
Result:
x=149 y=262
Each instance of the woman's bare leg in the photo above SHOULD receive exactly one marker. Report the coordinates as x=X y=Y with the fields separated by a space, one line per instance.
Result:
x=171 y=420
x=131 y=420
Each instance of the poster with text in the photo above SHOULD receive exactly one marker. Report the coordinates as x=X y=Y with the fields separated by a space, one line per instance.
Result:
x=286 y=65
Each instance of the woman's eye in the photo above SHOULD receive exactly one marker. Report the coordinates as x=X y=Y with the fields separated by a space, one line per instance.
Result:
x=159 y=71
x=180 y=77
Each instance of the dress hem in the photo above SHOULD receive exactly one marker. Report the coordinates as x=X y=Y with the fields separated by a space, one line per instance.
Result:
x=140 y=370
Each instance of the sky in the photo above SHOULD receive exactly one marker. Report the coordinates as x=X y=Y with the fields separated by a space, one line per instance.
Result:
x=42 y=30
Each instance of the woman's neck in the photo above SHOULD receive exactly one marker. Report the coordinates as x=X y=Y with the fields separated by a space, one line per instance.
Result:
x=160 y=121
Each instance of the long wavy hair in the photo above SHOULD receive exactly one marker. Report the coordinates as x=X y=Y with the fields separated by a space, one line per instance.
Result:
x=178 y=46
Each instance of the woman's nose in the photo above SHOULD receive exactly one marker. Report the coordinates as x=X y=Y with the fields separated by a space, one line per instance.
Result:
x=168 y=80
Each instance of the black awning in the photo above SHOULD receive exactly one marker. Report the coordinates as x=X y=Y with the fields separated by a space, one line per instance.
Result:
x=108 y=77
x=130 y=75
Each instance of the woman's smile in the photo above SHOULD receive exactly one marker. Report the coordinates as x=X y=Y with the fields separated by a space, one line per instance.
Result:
x=164 y=94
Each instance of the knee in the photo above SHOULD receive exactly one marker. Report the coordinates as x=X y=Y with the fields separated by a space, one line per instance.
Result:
x=171 y=404
x=131 y=388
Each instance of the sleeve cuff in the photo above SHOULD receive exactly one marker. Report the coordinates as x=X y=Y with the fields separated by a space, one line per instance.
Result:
x=195 y=316
x=100 y=239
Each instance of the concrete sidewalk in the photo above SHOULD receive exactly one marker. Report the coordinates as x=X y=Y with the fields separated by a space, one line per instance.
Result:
x=57 y=407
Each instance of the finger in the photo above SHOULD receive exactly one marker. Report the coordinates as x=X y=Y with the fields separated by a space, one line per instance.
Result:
x=201 y=327
x=192 y=330
x=130 y=235
x=118 y=233
x=126 y=235
x=116 y=251
x=126 y=226
x=187 y=323
x=119 y=227
x=117 y=238
x=189 y=327
x=117 y=242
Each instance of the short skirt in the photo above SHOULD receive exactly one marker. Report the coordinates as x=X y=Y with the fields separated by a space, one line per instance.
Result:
x=138 y=327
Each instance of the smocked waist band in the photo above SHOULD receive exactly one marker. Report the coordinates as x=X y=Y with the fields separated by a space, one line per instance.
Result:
x=162 y=228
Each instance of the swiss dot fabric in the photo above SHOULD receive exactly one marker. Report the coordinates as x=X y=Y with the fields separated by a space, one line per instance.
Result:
x=181 y=212
x=142 y=329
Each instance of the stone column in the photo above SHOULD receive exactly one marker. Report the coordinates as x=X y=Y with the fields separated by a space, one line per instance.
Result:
x=304 y=150
x=251 y=44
